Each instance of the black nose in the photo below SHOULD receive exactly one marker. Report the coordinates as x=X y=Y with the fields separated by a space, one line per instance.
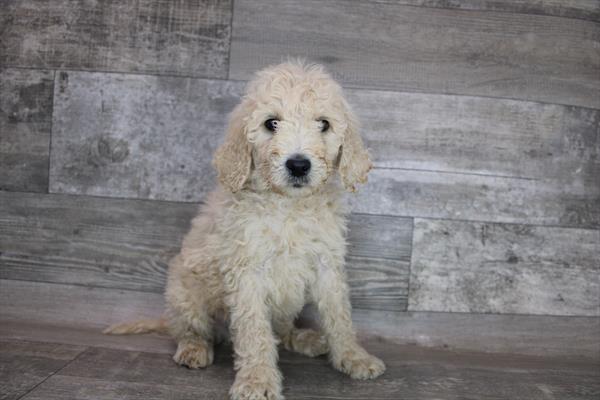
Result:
x=298 y=166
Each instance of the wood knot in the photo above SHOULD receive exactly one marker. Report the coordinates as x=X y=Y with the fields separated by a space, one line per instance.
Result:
x=106 y=150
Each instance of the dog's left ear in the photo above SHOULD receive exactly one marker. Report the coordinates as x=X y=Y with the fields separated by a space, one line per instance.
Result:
x=233 y=160
x=355 y=163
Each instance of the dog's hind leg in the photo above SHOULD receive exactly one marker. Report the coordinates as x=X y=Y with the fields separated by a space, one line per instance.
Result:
x=193 y=350
x=188 y=320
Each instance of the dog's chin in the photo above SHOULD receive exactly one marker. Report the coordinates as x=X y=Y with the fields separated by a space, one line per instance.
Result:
x=297 y=189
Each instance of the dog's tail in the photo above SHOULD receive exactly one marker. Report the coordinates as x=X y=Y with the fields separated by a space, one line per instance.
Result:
x=141 y=326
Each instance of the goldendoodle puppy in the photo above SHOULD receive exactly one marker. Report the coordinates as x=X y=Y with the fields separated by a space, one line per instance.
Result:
x=271 y=237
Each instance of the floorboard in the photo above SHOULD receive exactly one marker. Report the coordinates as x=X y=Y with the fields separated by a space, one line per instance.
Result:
x=413 y=373
x=188 y=37
x=24 y=365
x=387 y=45
x=25 y=128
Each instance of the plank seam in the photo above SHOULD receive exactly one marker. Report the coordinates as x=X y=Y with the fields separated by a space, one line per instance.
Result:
x=53 y=373
x=525 y=13
x=230 y=39
x=51 y=132
x=344 y=85
x=410 y=264
x=199 y=203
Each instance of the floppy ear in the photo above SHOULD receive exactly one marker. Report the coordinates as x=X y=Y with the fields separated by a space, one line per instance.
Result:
x=354 y=164
x=233 y=159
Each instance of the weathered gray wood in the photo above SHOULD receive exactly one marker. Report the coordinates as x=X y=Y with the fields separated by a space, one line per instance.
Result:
x=137 y=136
x=83 y=336
x=581 y=9
x=493 y=333
x=25 y=128
x=56 y=308
x=90 y=241
x=70 y=305
x=412 y=374
x=393 y=46
x=539 y=162
x=478 y=197
x=189 y=37
x=127 y=244
x=501 y=268
x=480 y=136
x=23 y=365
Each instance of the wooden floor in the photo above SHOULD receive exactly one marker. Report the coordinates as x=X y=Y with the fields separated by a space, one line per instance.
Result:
x=85 y=365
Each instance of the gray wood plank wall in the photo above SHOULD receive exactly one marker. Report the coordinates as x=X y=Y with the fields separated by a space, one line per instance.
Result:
x=480 y=115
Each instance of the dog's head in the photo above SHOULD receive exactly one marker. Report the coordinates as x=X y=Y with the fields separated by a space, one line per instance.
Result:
x=292 y=131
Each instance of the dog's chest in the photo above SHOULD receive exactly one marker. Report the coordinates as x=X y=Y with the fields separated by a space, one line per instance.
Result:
x=284 y=245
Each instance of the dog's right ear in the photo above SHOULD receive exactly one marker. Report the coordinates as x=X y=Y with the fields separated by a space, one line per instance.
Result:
x=233 y=160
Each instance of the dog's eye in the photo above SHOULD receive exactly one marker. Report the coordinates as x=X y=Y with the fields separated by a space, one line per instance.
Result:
x=271 y=124
x=324 y=125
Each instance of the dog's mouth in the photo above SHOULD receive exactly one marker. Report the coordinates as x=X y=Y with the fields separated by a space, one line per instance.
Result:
x=298 y=182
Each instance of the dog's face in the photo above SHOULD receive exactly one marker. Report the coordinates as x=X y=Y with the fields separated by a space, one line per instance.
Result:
x=291 y=133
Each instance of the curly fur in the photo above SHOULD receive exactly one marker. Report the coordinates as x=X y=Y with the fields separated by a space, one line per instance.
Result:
x=260 y=248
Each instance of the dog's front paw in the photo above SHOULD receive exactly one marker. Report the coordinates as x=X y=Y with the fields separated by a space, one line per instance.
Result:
x=360 y=365
x=196 y=354
x=255 y=391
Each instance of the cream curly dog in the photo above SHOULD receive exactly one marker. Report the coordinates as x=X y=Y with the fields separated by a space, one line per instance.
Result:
x=271 y=237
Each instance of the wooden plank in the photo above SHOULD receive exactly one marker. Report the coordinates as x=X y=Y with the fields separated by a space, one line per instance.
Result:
x=127 y=244
x=137 y=136
x=69 y=313
x=25 y=128
x=479 y=198
x=393 y=46
x=189 y=37
x=70 y=305
x=499 y=268
x=580 y=9
x=24 y=365
x=90 y=241
x=412 y=374
x=83 y=336
x=542 y=335
x=138 y=144
x=480 y=135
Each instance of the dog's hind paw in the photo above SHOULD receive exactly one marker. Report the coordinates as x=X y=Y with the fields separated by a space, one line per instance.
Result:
x=306 y=341
x=194 y=354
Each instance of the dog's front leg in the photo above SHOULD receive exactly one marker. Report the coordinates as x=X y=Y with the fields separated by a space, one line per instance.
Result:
x=331 y=295
x=254 y=342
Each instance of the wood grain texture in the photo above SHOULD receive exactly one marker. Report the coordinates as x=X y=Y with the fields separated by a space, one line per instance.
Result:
x=85 y=308
x=541 y=335
x=90 y=241
x=24 y=365
x=81 y=335
x=482 y=136
x=393 y=46
x=137 y=136
x=25 y=128
x=78 y=306
x=412 y=374
x=501 y=268
x=189 y=37
x=127 y=244
x=580 y=9
x=544 y=335
x=439 y=156
x=478 y=198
